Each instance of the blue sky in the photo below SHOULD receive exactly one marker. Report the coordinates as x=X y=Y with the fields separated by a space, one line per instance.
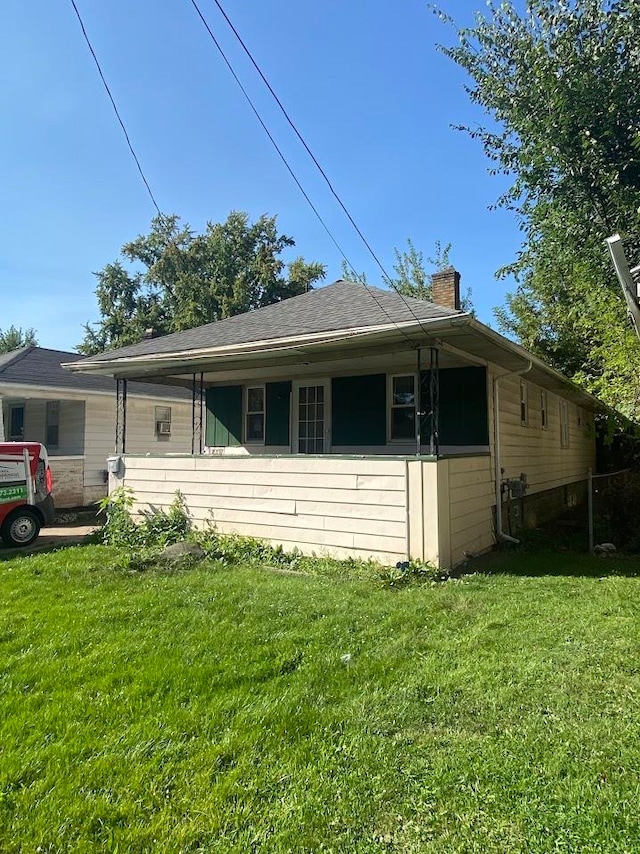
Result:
x=364 y=83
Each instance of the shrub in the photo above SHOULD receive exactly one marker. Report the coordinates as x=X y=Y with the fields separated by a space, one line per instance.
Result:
x=144 y=542
x=119 y=528
x=158 y=528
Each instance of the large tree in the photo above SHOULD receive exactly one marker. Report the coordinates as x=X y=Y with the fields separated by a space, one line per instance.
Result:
x=172 y=279
x=14 y=338
x=560 y=83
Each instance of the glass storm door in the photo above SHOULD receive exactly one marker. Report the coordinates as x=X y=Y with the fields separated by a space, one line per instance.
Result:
x=312 y=418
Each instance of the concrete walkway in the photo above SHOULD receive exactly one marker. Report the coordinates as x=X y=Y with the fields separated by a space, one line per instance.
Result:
x=55 y=537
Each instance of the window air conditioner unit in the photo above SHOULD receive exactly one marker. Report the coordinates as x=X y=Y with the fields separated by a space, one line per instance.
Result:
x=163 y=428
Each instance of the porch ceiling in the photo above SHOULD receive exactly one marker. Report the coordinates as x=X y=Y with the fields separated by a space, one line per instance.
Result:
x=460 y=339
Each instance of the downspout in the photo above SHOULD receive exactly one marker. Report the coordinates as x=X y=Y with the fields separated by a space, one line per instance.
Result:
x=500 y=534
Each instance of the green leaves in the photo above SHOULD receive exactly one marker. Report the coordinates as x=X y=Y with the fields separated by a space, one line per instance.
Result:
x=559 y=84
x=13 y=339
x=176 y=279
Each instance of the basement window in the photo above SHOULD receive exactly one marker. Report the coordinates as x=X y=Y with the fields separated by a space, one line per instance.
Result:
x=254 y=414
x=403 y=408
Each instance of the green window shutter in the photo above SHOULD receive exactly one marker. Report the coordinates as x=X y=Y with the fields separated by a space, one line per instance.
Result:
x=463 y=415
x=278 y=414
x=224 y=415
x=359 y=410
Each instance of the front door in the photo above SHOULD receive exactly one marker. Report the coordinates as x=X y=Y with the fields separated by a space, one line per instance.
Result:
x=311 y=417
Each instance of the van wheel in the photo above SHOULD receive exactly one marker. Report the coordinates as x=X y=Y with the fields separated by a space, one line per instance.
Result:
x=21 y=527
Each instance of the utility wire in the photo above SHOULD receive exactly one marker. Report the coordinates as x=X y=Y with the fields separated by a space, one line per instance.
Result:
x=302 y=140
x=386 y=277
x=268 y=133
x=293 y=175
x=113 y=104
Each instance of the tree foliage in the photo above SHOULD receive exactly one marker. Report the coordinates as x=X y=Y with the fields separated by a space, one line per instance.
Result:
x=412 y=278
x=173 y=279
x=14 y=338
x=560 y=83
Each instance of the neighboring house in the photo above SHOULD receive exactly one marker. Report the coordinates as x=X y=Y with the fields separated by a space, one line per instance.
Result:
x=74 y=416
x=353 y=421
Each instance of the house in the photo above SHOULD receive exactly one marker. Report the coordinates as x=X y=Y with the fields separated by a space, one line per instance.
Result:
x=74 y=416
x=353 y=421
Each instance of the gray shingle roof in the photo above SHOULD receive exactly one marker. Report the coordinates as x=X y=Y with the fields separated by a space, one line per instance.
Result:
x=342 y=305
x=38 y=366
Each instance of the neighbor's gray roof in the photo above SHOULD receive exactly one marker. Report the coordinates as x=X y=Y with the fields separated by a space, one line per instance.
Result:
x=342 y=305
x=38 y=366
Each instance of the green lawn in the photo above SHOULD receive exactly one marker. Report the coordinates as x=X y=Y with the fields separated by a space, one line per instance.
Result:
x=243 y=710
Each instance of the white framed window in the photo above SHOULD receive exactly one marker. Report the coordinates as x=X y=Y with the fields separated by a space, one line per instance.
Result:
x=402 y=407
x=544 y=409
x=524 y=403
x=163 y=421
x=52 y=415
x=254 y=414
x=564 y=424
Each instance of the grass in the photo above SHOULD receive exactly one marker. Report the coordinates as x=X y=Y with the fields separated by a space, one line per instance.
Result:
x=242 y=710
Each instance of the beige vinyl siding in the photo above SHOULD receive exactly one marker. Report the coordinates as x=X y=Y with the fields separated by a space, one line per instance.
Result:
x=100 y=431
x=71 y=428
x=471 y=501
x=318 y=504
x=71 y=423
x=34 y=420
x=538 y=452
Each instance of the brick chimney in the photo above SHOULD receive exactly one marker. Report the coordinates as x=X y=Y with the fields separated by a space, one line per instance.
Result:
x=446 y=288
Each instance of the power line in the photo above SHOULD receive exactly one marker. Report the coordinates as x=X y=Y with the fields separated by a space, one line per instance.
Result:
x=266 y=130
x=386 y=277
x=293 y=175
x=302 y=140
x=113 y=104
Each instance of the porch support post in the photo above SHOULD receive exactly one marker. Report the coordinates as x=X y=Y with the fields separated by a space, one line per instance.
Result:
x=428 y=511
x=2 y=439
x=419 y=412
x=434 y=402
x=196 y=414
x=121 y=416
x=202 y=425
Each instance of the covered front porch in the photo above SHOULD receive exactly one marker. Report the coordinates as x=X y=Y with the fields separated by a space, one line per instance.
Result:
x=391 y=508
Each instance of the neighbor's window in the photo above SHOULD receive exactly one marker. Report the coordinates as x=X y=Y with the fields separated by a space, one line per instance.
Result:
x=524 y=403
x=53 y=423
x=163 y=421
x=254 y=415
x=403 y=407
x=544 y=409
x=16 y=423
x=564 y=424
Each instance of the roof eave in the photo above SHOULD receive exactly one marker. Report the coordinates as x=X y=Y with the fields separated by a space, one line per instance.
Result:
x=514 y=357
x=132 y=365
